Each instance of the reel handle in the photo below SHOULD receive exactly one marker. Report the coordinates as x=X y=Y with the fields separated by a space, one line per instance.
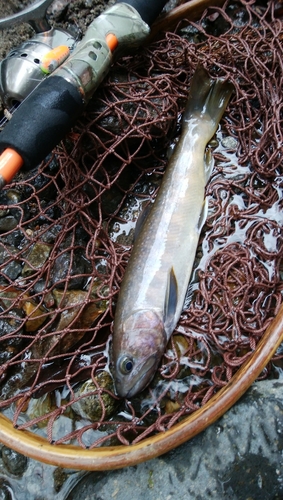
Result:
x=34 y=14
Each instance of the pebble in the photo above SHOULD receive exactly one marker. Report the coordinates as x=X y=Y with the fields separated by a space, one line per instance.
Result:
x=8 y=223
x=229 y=142
x=51 y=234
x=90 y=406
x=5 y=490
x=13 y=270
x=9 y=326
x=13 y=196
x=63 y=268
x=36 y=258
x=15 y=239
x=14 y=462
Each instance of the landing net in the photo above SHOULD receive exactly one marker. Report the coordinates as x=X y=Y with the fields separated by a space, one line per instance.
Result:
x=67 y=229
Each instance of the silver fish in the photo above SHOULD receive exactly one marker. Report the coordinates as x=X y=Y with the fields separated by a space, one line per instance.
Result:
x=153 y=290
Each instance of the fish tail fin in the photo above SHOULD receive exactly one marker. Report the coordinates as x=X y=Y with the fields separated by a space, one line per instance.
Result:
x=208 y=99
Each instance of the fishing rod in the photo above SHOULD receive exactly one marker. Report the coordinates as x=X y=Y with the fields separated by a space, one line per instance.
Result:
x=77 y=68
x=64 y=76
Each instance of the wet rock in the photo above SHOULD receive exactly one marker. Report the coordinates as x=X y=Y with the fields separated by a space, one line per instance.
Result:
x=13 y=270
x=239 y=457
x=60 y=476
x=40 y=286
x=6 y=355
x=15 y=239
x=111 y=199
x=253 y=472
x=216 y=25
x=115 y=122
x=90 y=405
x=39 y=408
x=17 y=379
x=76 y=310
x=8 y=223
x=71 y=268
x=10 y=197
x=14 y=462
x=5 y=490
x=5 y=253
x=13 y=196
x=3 y=212
x=42 y=185
x=49 y=211
x=238 y=14
x=171 y=406
x=37 y=256
x=9 y=215
x=11 y=327
x=36 y=315
x=51 y=233
x=229 y=142
x=192 y=34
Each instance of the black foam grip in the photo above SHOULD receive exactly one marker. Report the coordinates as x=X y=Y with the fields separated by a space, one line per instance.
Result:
x=42 y=120
x=147 y=9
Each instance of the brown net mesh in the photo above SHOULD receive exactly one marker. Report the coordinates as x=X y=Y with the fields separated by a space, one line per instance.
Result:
x=67 y=229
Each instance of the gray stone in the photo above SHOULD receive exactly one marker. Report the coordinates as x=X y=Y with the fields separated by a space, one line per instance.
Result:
x=237 y=458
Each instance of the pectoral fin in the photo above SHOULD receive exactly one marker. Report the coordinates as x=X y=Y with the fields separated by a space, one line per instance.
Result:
x=171 y=299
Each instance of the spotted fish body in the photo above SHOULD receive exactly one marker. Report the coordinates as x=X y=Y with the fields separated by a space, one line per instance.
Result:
x=157 y=276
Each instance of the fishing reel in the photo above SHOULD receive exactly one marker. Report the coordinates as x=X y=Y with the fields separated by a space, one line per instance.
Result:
x=74 y=71
x=27 y=65
x=119 y=29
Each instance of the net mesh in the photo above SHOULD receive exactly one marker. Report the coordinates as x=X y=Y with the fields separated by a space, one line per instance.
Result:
x=67 y=229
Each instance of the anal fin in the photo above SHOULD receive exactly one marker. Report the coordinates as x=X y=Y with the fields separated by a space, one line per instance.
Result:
x=171 y=299
x=208 y=164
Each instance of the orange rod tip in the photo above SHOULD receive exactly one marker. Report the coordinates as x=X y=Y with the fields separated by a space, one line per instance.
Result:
x=10 y=164
x=112 y=41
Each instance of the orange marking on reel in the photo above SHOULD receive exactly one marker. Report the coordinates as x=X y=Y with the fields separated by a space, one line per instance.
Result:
x=112 y=41
x=54 y=58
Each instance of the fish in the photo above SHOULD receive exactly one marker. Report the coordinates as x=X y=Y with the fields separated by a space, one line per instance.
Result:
x=157 y=275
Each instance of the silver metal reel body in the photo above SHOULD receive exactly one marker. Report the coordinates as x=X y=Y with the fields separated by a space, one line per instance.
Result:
x=88 y=62
x=20 y=71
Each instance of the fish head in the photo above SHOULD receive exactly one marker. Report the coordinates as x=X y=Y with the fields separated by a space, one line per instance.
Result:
x=137 y=348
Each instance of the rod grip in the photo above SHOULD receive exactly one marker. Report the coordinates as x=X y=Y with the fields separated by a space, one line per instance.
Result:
x=42 y=120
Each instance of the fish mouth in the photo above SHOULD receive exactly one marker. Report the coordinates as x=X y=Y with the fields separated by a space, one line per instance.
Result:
x=144 y=376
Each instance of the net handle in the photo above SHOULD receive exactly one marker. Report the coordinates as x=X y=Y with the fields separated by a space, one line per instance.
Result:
x=108 y=458
x=191 y=10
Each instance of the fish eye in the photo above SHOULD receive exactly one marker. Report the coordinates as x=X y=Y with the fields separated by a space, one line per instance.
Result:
x=126 y=365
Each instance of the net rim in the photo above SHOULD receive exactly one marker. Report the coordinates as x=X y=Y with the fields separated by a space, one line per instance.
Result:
x=115 y=457
x=109 y=458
